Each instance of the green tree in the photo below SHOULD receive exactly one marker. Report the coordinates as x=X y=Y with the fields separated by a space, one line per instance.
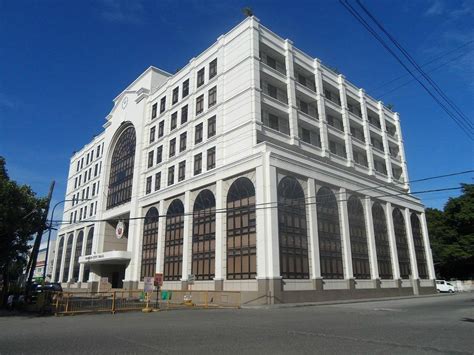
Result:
x=20 y=215
x=452 y=236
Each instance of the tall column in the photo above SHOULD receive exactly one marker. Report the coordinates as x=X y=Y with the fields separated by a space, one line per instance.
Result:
x=392 y=240
x=402 y=152
x=187 y=237
x=323 y=128
x=386 y=146
x=83 y=252
x=271 y=220
x=345 y=234
x=255 y=113
x=262 y=245
x=290 y=85
x=346 y=121
x=221 y=225
x=73 y=253
x=411 y=244
x=313 y=233
x=160 y=252
x=374 y=268
x=426 y=243
x=366 y=125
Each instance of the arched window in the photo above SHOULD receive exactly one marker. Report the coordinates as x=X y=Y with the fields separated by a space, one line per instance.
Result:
x=402 y=244
x=204 y=236
x=382 y=244
x=358 y=235
x=59 y=257
x=329 y=235
x=67 y=258
x=77 y=254
x=121 y=169
x=241 y=231
x=292 y=230
x=87 y=267
x=419 y=249
x=174 y=241
x=150 y=241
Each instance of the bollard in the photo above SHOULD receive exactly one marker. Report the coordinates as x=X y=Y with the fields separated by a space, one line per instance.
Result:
x=113 y=302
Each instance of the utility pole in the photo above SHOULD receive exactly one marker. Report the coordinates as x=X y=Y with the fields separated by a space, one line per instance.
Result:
x=39 y=234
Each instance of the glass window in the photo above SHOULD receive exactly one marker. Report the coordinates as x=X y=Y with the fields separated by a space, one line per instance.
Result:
x=382 y=244
x=77 y=254
x=198 y=164
x=153 y=110
x=199 y=104
x=419 y=248
x=213 y=68
x=67 y=258
x=172 y=147
x=200 y=77
x=198 y=134
x=402 y=244
x=211 y=127
x=174 y=120
x=173 y=257
x=175 y=95
x=358 y=237
x=273 y=122
x=170 y=175
x=157 y=181
x=148 y=184
x=150 y=158
x=149 y=243
x=212 y=98
x=59 y=257
x=186 y=88
x=182 y=141
x=163 y=104
x=161 y=129
x=159 y=154
x=184 y=114
x=182 y=171
x=87 y=268
x=211 y=158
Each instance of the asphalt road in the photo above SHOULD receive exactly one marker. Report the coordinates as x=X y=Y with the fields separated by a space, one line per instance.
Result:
x=440 y=324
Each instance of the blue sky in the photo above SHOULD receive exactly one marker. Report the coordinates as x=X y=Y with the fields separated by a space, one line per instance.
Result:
x=62 y=63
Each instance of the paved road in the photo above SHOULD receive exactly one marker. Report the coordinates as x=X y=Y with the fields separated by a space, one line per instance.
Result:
x=440 y=324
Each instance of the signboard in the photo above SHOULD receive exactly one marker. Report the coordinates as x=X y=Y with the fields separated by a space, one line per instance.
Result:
x=148 y=285
x=120 y=230
x=158 y=279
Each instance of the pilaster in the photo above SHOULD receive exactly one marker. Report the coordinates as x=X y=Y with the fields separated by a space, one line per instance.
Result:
x=386 y=146
x=290 y=85
x=323 y=129
x=401 y=146
x=374 y=269
x=345 y=234
x=345 y=121
x=313 y=231
x=392 y=240
x=366 y=125
x=411 y=244
x=426 y=243
x=221 y=225
x=187 y=236
x=160 y=252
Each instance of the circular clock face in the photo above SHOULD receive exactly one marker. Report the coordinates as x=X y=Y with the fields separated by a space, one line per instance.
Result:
x=124 y=102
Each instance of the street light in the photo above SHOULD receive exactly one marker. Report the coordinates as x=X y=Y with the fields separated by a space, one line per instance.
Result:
x=51 y=227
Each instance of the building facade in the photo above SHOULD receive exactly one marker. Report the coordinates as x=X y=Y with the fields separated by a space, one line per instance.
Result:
x=254 y=168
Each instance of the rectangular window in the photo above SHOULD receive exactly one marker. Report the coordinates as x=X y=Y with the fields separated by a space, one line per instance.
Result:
x=186 y=88
x=98 y=151
x=211 y=127
x=87 y=193
x=80 y=178
x=152 y=134
x=199 y=104
x=78 y=165
x=159 y=154
x=163 y=104
x=304 y=107
x=182 y=171
x=271 y=62
x=91 y=210
x=150 y=158
x=212 y=98
x=182 y=141
x=93 y=189
x=75 y=182
x=211 y=158
x=82 y=163
x=153 y=110
x=157 y=181
x=172 y=147
x=200 y=77
x=213 y=68
x=305 y=135
x=198 y=134
x=272 y=91
x=174 y=120
x=184 y=114
x=175 y=95
x=80 y=214
x=87 y=159
x=170 y=175
x=273 y=121
x=161 y=129
x=148 y=184
x=197 y=164
x=96 y=169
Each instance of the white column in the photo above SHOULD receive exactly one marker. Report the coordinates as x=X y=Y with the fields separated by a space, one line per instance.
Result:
x=426 y=243
x=411 y=244
x=345 y=234
x=369 y=223
x=160 y=252
x=346 y=121
x=386 y=147
x=402 y=152
x=262 y=244
x=366 y=125
x=83 y=251
x=392 y=240
x=73 y=252
x=187 y=236
x=256 y=113
x=323 y=129
x=221 y=226
x=313 y=230
x=290 y=88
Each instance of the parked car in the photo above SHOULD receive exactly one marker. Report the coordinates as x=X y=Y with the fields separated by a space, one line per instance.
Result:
x=444 y=286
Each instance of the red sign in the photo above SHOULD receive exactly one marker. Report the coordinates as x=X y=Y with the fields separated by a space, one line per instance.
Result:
x=158 y=279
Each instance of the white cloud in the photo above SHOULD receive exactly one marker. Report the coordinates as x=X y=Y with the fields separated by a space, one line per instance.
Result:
x=436 y=8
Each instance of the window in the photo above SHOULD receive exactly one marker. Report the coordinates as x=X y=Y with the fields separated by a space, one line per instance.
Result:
x=382 y=244
x=211 y=158
x=78 y=166
x=67 y=258
x=159 y=154
x=82 y=162
x=75 y=182
x=153 y=110
x=337 y=148
x=271 y=62
x=184 y=114
x=91 y=210
x=175 y=95
x=121 y=169
x=211 y=127
x=58 y=259
x=418 y=243
x=174 y=120
x=273 y=122
x=198 y=164
x=161 y=129
x=87 y=159
x=182 y=141
x=200 y=77
x=150 y=159
x=213 y=68
x=272 y=91
x=148 y=184
x=199 y=104
x=96 y=169
x=198 y=134
x=149 y=245
x=305 y=135
x=292 y=233
x=174 y=232
x=204 y=236
x=241 y=231
x=170 y=175
x=77 y=254
x=358 y=238
x=182 y=171
x=93 y=189
x=304 y=107
x=98 y=151
x=185 y=88
x=163 y=104
x=402 y=244
x=330 y=251
x=152 y=134
x=212 y=98
x=157 y=181
x=172 y=147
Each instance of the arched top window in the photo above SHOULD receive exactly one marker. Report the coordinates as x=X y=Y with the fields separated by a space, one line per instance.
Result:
x=174 y=241
x=419 y=248
x=402 y=243
x=241 y=188
x=382 y=244
x=150 y=239
x=358 y=237
x=290 y=193
x=87 y=267
x=77 y=254
x=151 y=216
x=67 y=258
x=176 y=207
x=327 y=200
x=59 y=257
x=204 y=200
x=121 y=169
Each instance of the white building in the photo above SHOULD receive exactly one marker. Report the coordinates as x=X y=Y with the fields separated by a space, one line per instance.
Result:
x=41 y=260
x=254 y=168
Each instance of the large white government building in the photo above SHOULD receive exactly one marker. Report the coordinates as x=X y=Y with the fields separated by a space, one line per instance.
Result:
x=254 y=168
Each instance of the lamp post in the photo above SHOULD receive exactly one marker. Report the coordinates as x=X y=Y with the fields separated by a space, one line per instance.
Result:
x=51 y=227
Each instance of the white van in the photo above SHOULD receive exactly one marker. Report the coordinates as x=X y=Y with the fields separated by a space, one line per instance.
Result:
x=444 y=286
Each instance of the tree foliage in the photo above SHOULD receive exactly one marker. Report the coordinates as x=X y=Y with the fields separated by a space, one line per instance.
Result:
x=452 y=236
